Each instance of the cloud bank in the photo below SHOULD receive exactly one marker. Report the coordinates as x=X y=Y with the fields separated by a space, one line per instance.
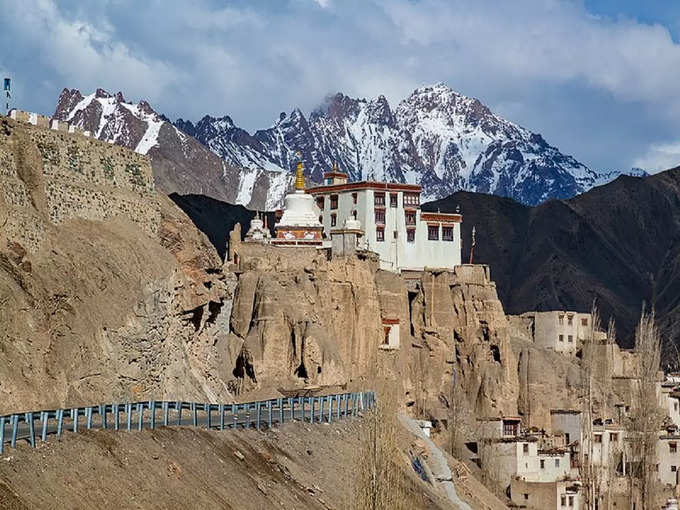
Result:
x=601 y=87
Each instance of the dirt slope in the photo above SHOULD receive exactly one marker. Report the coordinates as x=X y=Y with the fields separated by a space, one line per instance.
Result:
x=297 y=466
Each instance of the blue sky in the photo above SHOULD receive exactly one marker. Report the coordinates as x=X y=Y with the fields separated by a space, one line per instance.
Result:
x=600 y=79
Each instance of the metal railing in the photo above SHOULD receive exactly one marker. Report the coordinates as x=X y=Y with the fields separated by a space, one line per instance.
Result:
x=154 y=413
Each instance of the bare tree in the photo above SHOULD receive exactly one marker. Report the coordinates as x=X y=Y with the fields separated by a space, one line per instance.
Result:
x=587 y=470
x=380 y=481
x=646 y=416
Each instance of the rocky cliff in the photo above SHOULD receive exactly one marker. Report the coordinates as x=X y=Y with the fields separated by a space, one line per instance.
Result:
x=108 y=291
x=305 y=320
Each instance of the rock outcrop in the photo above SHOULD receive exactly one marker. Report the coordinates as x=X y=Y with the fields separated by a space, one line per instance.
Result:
x=107 y=290
x=306 y=320
x=458 y=321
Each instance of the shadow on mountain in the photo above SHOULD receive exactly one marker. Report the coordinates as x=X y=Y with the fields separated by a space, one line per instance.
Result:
x=618 y=243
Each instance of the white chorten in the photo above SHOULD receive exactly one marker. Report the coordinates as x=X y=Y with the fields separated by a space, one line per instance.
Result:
x=299 y=223
x=258 y=231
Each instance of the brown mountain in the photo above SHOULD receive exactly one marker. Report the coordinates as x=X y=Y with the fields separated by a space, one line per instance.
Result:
x=618 y=243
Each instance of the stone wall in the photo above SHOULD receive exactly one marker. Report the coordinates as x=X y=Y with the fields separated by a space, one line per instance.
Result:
x=65 y=176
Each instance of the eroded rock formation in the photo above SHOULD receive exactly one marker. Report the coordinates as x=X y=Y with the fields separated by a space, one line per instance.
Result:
x=107 y=290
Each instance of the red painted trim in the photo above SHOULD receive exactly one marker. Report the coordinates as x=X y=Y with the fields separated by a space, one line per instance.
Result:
x=365 y=185
x=390 y=321
x=441 y=217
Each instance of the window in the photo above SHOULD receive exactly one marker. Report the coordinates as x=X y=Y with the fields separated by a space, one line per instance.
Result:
x=557 y=463
x=386 y=340
x=561 y=319
x=354 y=213
x=511 y=429
x=334 y=201
x=393 y=200
x=320 y=202
x=380 y=216
x=584 y=322
x=526 y=495
x=542 y=464
x=334 y=219
x=674 y=468
x=598 y=438
x=571 y=500
x=571 y=339
x=354 y=198
x=570 y=319
x=379 y=199
x=411 y=199
x=411 y=235
x=563 y=500
x=561 y=338
x=379 y=235
x=321 y=219
x=673 y=447
x=613 y=436
x=433 y=232
x=525 y=448
x=447 y=233
x=410 y=217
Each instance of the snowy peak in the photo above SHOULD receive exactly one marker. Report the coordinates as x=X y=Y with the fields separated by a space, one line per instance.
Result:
x=435 y=137
x=108 y=117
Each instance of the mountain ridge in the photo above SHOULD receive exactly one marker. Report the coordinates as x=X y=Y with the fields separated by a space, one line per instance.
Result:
x=435 y=137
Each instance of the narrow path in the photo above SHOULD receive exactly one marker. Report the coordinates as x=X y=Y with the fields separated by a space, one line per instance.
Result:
x=437 y=462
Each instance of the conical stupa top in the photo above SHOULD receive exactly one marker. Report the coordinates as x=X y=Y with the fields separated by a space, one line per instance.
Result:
x=299 y=176
x=335 y=166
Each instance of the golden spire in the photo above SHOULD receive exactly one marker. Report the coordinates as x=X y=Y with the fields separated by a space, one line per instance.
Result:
x=299 y=176
x=335 y=166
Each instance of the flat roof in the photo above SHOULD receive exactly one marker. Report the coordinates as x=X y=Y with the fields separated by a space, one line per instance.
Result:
x=362 y=185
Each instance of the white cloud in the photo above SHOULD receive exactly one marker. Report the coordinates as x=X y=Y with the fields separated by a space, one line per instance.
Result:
x=549 y=40
x=660 y=157
x=89 y=55
x=547 y=64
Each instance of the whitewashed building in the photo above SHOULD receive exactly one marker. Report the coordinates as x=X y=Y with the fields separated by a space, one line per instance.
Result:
x=561 y=330
x=395 y=228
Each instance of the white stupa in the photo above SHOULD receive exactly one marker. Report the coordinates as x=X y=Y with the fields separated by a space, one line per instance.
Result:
x=299 y=224
x=258 y=231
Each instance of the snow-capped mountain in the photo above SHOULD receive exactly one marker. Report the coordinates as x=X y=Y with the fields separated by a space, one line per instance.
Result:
x=181 y=164
x=436 y=137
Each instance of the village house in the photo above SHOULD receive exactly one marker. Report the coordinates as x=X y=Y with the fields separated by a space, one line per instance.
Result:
x=668 y=457
x=560 y=330
x=557 y=495
x=394 y=227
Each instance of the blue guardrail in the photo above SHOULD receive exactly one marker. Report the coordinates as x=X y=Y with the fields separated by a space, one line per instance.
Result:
x=156 y=413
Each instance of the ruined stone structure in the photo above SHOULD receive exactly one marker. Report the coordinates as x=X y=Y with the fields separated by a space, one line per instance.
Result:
x=107 y=290
x=71 y=177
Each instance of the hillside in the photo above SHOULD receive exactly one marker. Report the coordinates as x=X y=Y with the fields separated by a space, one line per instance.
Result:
x=618 y=243
x=215 y=218
x=103 y=281
x=296 y=466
